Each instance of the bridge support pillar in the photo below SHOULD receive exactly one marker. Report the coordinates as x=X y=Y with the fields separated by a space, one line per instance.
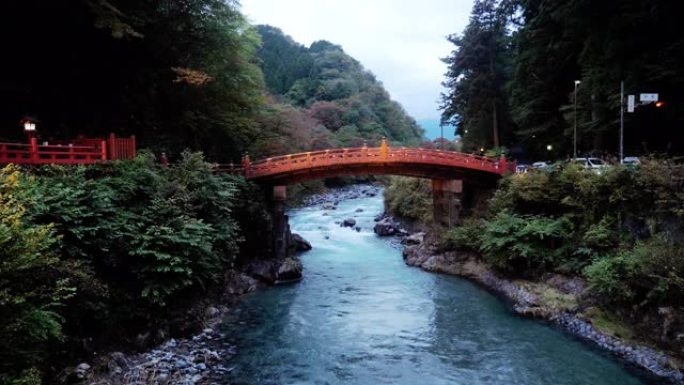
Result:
x=446 y=201
x=281 y=227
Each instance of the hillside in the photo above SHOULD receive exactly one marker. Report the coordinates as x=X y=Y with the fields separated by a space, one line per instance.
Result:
x=322 y=97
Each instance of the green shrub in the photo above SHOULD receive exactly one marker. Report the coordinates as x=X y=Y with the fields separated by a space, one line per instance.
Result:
x=121 y=244
x=649 y=273
x=466 y=236
x=606 y=211
x=148 y=230
x=519 y=243
x=31 y=289
x=409 y=198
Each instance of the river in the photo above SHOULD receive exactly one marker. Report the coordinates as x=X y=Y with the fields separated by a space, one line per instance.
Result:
x=361 y=316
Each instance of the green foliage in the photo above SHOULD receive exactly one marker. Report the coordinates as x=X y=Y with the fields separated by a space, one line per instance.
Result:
x=27 y=377
x=622 y=228
x=163 y=230
x=120 y=244
x=522 y=243
x=650 y=273
x=465 y=237
x=409 y=198
x=31 y=290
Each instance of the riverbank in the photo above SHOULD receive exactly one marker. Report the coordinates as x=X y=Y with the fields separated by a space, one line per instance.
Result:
x=556 y=299
x=212 y=354
x=206 y=356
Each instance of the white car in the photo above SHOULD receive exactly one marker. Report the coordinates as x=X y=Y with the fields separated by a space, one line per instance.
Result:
x=540 y=165
x=594 y=164
x=631 y=161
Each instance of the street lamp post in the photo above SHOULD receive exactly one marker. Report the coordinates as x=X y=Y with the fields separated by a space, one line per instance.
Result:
x=622 y=121
x=577 y=83
x=29 y=127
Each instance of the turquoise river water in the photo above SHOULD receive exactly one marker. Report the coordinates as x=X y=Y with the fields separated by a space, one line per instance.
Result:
x=360 y=316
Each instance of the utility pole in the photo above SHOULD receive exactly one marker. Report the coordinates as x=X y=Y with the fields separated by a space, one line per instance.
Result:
x=622 y=120
x=577 y=82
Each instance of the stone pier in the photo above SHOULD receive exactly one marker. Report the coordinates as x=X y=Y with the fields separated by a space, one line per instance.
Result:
x=447 y=201
x=281 y=227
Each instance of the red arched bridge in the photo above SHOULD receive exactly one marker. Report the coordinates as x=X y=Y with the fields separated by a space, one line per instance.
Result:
x=450 y=172
x=383 y=160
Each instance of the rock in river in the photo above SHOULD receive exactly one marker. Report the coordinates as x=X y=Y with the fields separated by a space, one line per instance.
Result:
x=349 y=222
x=385 y=227
x=300 y=243
x=289 y=270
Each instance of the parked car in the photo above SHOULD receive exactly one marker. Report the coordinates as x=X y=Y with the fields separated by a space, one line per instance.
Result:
x=631 y=161
x=522 y=168
x=594 y=164
x=540 y=165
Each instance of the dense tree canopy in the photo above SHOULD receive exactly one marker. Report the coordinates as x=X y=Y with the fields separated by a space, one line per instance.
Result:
x=175 y=73
x=540 y=47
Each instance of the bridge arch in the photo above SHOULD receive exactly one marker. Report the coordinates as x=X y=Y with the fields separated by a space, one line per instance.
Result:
x=449 y=172
x=383 y=160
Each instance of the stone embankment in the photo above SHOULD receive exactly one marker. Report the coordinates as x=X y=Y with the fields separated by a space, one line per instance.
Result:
x=555 y=300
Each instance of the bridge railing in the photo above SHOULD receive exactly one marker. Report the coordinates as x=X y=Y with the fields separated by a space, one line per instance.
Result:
x=76 y=151
x=33 y=153
x=368 y=155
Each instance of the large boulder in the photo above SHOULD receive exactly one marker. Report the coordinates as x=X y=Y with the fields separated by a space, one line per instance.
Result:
x=273 y=272
x=300 y=244
x=290 y=269
x=385 y=227
x=414 y=239
x=349 y=222
x=262 y=270
x=238 y=283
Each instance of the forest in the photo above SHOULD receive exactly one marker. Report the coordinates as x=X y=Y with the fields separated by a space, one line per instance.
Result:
x=512 y=75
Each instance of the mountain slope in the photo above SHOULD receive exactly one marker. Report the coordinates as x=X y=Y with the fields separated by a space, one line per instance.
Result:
x=344 y=102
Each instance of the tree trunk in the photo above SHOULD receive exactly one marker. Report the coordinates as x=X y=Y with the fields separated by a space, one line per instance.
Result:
x=495 y=124
x=495 y=120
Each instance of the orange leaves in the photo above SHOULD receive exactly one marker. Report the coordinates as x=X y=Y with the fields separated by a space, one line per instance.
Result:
x=191 y=77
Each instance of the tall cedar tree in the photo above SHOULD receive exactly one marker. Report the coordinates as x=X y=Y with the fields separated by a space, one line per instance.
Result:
x=475 y=101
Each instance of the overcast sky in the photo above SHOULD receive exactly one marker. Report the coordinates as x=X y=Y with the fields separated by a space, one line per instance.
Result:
x=400 y=41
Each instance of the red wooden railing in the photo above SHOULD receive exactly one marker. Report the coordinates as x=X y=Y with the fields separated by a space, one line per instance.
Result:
x=281 y=165
x=33 y=153
x=121 y=148
x=78 y=151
